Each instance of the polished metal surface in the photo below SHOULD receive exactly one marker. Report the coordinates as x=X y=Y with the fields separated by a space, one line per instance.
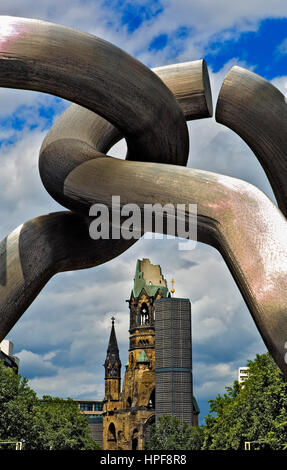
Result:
x=257 y=111
x=235 y=217
x=132 y=101
x=84 y=69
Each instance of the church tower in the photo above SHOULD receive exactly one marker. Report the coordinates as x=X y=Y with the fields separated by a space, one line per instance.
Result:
x=112 y=368
x=139 y=382
x=129 y=414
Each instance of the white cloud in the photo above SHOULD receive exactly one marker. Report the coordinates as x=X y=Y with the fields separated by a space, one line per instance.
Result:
x=36 y=364
x=22 y=193
x=282 y=48
x=209 y=326
x=73 y=383
x=281 y=84
x=210 y=380
x=12 y=99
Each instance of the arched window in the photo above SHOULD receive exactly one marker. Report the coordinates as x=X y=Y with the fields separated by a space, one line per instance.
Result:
x=144 y=314
x=112 y=433
x=135 y=439
x=146 y=428
x=151 y=402
x=129 y=402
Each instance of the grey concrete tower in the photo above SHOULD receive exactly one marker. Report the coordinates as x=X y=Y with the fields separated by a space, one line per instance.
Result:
x=173 y=359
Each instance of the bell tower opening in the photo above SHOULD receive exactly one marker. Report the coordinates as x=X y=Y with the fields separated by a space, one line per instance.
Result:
x=144 y=314
x=112 y=433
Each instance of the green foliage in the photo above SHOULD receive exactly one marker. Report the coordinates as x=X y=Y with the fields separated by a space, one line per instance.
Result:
x=169 y=433
x=17 y=402
x=255 y=412
x=50 y=424
x=60 y=426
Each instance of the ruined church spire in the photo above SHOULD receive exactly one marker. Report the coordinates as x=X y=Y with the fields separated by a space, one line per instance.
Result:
x=113 y=363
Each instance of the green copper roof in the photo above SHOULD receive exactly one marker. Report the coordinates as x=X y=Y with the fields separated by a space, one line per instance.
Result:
x=149 y=277
x=143 y=357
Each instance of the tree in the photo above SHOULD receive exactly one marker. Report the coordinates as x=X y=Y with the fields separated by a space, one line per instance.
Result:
x=17 y=402
x=255 y=411
x=60 y=426
x=169 y=433
x=50 y=424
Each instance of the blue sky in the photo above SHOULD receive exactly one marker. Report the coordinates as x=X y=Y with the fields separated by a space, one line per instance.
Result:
x=264 y=48
x=62 y=338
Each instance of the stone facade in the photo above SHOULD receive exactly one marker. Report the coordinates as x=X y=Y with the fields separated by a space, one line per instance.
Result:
x=129 y=412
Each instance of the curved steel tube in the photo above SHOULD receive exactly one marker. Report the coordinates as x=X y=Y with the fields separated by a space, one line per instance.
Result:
x=189 y=83
x=86 y=70
x=233 y=216
x=256 y=110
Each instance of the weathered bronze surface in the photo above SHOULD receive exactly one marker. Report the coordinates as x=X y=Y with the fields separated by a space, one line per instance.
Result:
x=132 y=101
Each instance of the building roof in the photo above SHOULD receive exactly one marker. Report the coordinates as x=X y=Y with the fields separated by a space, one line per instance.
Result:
x=149 y=277
x=113 y=363
x=143 y=357
x=113 y=344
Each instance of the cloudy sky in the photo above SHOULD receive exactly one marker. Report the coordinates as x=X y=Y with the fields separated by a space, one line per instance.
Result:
x=62 y=338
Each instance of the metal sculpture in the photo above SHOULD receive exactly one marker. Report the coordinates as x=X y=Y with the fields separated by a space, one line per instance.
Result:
x=119 y=97
x=257 y=111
